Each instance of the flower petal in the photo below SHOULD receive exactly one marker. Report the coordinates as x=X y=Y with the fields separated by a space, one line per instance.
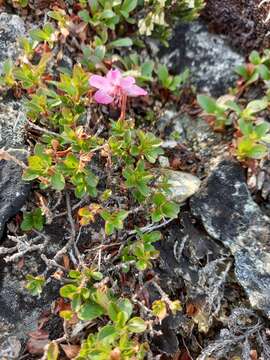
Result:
x=99 y=82
x=135 y=90
x=102 y=97
x=114 y=77
x=127 y=82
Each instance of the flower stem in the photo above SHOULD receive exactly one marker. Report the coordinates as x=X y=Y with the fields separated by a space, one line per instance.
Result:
x=123 y=107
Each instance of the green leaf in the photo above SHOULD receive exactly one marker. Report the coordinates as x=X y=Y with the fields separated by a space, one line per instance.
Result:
x=84 y=15
x=170 y=210
x=262 y=129
x=141 y=265
x=136 y=325
x=33 y=220
x=258 y=151
x=122 y=215
x=129 y=5
x=207 y=103
x=76 y=302
x=264 y=72
x=52 y=351
x=27 y=223
x=121 y=319
x=35 y=284
x=151 y=237
x=257 y=105
x=126 y=306
x=113 y=310
x=242 y=71
x=66 y=314
x=58 y=181
x=246 y=127
x=163 y=74
x=254 y=58
x=107 y=14
x=233 y=106
x=38 y=219
x=68 y=291
x=147 y=69
x=107 y=334
x=90 y=311
x=123 y=42
x=253 y=78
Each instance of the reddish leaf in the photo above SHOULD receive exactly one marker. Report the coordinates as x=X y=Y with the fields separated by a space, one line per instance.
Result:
x=71 y=351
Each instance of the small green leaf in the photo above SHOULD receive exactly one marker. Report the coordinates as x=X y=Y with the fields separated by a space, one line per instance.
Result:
x=33 y=220
x=129 y=5
x=257 y=105
x=136 y=325
x=258 y=151
x=58 y=181
x=107 y=14
x=84 y=15
x=123 y=42
x=68 y=291
x=208 y=104
x=52 y=351
x=107 y=334
x=264 y=72
x=35 y=284
x=90 y=311
x=254 y=58
x=66 y=314
x=126 y=306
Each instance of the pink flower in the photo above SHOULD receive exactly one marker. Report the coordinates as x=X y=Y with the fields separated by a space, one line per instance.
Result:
x=113 y=87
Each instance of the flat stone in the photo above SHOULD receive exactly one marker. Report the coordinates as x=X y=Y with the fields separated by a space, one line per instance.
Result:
x=208 y=56
x=182 y=185
x=229 y=214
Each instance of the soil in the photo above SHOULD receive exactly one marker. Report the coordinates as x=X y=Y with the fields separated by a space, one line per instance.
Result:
x=243 y=21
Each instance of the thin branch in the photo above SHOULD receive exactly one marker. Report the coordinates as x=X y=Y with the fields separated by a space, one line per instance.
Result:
x=73 y=231
x=151 y=227
x=41 y=129
x=5 y=155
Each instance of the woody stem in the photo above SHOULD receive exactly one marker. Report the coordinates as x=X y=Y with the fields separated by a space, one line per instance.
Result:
x=123 y=107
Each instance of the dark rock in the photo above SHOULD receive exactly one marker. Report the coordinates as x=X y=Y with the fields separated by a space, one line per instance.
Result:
x=13 y=191
x=229 y=214
x=20 y=311
x=210 y=60
x=167 y=342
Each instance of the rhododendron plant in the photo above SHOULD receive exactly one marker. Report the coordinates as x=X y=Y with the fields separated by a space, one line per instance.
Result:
x=115 y=88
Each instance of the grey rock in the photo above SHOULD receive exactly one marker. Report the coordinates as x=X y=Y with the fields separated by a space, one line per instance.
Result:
x=13 y=191
x=208 y=56
x=196 y=135
x=11 y=27
x=10 y=348
x=20 y=311
x=229 y=214
x=12 y=125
